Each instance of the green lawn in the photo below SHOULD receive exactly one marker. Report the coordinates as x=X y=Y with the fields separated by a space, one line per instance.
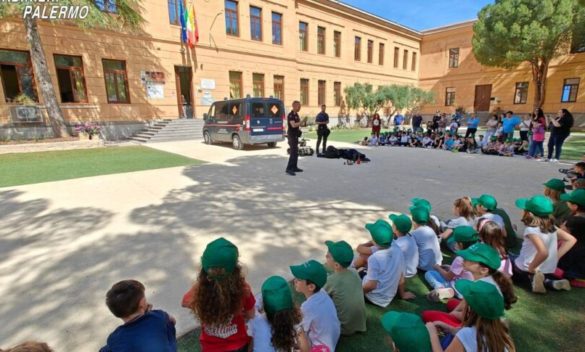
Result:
x=26 y=168
x=539 y=323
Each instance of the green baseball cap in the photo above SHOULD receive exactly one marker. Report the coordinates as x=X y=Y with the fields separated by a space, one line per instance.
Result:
x=483 y=298
x=555 y=184
x=421 y=202
x=312 y=271
x=486 y=200
x=407 y=330
x=381 y=232
x=538 y=205
x=482 y=253
x=575 y=197
x=420 y=214
x=402 y=222
x=465 y=234
x=276 y=295
x=220 y=253
x=341 y=252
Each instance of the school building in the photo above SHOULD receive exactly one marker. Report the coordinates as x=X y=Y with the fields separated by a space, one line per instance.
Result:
x=307 y=50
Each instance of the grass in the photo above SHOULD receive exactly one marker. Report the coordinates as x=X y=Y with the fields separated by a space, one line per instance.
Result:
x=539 y=323
x=28 y=168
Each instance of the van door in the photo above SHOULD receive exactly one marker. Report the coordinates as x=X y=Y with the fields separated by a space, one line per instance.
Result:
x=266 y=118
x=220 y=121
x=235 y=117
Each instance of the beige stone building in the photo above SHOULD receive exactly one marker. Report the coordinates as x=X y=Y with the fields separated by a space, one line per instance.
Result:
x=308 y=50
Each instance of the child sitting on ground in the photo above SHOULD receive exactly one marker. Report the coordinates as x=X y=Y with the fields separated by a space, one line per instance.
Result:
x=385 y=268
x=320 y=321
x=345 y=288
x=463 y=209
x=492 y=147
x=392 y=140
x=491 y=234
x=572 y=263
x=443 y=278
x=542 y=247
x=553 y=189
x=429 y=251
x=276 y=327
x=144 y=329
x=406 y=331
x=448 y=144
x=373 y=141
x=406 y=243
x=404 y=139
x=427 y=142
x=484 y=207
x=506 y=149
x=221 y=299
x=457 y=144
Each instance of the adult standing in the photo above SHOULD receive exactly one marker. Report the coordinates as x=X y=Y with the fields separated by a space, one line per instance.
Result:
x=376 y=125
x=492 y=126
x=472 y=124
x=509 y=124
x=536 y=149
x=293 y=132
x=560 y=130
x=525 y=126
x=323 y=131
x=436 y=119
x=398 y=120
x=416 y=122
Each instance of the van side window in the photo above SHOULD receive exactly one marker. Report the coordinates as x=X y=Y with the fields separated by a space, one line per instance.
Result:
x=211 y=114
x=258 y=110
x=275 y=110
x=221 y=111
x=235 y=111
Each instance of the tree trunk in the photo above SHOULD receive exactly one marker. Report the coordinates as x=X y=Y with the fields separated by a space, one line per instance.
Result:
x=47 y=90
x=539 y=73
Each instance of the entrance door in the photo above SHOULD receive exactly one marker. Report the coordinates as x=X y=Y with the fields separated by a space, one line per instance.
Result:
x=483 y=96
x=184 y=79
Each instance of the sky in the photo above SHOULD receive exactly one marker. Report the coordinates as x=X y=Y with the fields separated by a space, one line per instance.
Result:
x=422 y=14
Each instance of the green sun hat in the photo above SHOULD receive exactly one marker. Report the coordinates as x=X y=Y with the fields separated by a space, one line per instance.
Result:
x=482 y=253
x=312 y=271
x=402 y=222
x=575 y=197
x=555 y=184
x=381 y=232
x=220 y=253
x=538 y=205
x=483 y=298
x=421 y=202
x=407 y=330
x=486 y=200
x=464 y=234
x=276 y=295
x=420 y=214
x=341 y=252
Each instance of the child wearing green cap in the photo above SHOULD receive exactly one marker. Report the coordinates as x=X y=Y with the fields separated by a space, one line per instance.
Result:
x=442 y=279
x=221 y=299
x=465 y=216
x=345 y=288
x=484 y=207
x=572 y=263
x=540 y=250
x=429 y=249
x=553 y=189
x=276 y=327
x=320 y=321
x=406 y=332
x=483 y=329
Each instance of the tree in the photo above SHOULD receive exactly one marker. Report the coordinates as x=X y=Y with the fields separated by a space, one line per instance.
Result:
x=126 y=17
x=511 y=32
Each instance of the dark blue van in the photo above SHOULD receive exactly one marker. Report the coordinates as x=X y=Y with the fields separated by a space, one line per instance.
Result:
x=245 y=122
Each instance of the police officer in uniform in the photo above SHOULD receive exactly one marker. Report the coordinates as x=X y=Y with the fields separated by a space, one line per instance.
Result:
x=322 y=120
x=294 y=124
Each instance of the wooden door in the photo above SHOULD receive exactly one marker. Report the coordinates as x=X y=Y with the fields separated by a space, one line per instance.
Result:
x=483 y=96
x=184 y=81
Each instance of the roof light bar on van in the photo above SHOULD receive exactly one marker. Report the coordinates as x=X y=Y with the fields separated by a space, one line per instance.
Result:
x=247 y=123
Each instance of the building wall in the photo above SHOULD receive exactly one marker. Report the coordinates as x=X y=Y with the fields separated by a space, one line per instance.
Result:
x=436 y=75
x=158 y=48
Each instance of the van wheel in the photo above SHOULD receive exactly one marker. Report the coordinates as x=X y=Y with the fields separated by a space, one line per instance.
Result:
x=271 y=144
x=237 y=142
x=207 y=138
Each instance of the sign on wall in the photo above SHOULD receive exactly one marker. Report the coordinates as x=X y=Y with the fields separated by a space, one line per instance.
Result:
x=207 y=98
x=207 y=84
x=154 y=84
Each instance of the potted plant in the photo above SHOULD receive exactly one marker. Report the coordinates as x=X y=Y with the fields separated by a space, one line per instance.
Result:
x=88 y=128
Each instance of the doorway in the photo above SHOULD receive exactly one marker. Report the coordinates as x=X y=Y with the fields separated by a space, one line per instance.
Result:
x=483 y=96
x=184 y=81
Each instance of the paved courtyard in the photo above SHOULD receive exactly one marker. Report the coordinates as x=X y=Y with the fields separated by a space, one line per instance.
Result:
x=63 y=244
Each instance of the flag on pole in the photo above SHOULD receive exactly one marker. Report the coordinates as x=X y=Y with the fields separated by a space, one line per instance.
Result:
x=195 y=25
x=183 y=21
x=191 y=27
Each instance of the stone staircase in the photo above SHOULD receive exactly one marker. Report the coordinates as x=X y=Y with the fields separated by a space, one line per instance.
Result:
x=171 y=130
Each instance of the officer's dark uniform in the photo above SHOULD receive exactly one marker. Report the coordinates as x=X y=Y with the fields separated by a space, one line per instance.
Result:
x=293 y=142
x=322 y=130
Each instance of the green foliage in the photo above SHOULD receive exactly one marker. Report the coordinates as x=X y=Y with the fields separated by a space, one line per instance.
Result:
x=402 y=97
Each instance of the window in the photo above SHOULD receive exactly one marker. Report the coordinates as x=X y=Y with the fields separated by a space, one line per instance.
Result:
x=279 y=87
x=337 y=93
x=321 y=40
x=396 y=53
x=17 y=75
x=450 y=97
x=256 y=23
x=174 y=15
x=116 y=81
x=276 y=28
x=381 y=54
x=337 y=43
x=454 y=58
x=303 y=36
x=357 y=55
x=521 y=93
x=235 y=85
x=108 y=6
x=258 y=84
x=570 y=89
x=405 y=60
x=304 y=91
x=70 y=78
x=370 y=51
x=258 y=109
x=231 y=18
x=322 y=92
x=413 y=61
